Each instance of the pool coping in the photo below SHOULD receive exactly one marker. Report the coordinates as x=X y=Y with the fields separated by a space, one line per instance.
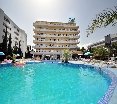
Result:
x=108 y=95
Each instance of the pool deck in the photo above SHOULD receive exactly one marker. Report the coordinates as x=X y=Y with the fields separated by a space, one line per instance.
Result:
x=113 y=99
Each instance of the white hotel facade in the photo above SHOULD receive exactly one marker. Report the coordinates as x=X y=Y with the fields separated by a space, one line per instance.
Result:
x=52 y=38
x=17 y=34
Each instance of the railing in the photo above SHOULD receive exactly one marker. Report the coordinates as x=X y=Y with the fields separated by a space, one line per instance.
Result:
x=39 y=23
x=60 y=36
x=62 y=42
x=63 y=31
x=66 y=47
x=47 y=53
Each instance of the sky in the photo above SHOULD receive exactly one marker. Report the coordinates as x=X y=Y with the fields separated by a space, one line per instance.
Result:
x=25 y=12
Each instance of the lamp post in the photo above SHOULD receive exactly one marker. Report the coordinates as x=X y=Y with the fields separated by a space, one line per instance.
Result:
x=114 y=50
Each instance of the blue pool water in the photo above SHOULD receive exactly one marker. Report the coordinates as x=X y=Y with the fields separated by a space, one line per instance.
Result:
x=50 y=83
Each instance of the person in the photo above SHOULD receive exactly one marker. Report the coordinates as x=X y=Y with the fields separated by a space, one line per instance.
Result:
x=19 y=63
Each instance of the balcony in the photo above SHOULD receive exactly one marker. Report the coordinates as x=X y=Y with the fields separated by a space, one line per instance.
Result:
x=54 y=24
x=55 y=42
x=74 y=37
x=44 y=41
x=56 y=36
x=50 y=36
x=53 y=47
x=54 y=31
x=47 y=53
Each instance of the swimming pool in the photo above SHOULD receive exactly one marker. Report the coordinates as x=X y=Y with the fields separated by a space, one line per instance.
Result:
x=52 y=83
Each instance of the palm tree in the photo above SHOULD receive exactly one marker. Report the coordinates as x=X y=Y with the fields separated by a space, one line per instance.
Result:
x=103 y=19
x=66 y=55
x=71 y=20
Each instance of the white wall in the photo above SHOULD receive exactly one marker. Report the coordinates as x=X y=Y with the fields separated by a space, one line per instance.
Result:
x=13 y=30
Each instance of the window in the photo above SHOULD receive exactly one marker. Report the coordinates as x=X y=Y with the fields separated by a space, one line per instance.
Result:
x=16 y=38
x=16 y=33
x=16 y=43
x=6 y=19
x=6 y=26
x=4 y=30
x=42 y=38
x=14 y=27
x=18 y=30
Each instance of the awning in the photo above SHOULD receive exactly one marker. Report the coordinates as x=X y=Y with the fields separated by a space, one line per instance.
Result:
x=17 y=55
x=77 y=52
x=88 y=53
x=2 y=53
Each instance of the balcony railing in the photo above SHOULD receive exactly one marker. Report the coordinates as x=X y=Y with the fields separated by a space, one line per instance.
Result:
x=55 y=47
x=50 y=53
x=58 y=42
x=60 y=36
x=39 y=23
x=56 y=31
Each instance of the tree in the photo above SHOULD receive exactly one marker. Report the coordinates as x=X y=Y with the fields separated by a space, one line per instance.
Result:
x=83 y=49
x=9 y=46
x=4 y=45
x=103 y=19
x=114 y=48
x=66 y=55
x=19 y=49
x=1 y=44
x=100 y=52
x=28 y=53
x=15 y=49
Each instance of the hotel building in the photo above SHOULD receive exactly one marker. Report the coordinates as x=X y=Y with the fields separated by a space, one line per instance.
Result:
x=17 y=34
x=52 y=38
x=102 y=42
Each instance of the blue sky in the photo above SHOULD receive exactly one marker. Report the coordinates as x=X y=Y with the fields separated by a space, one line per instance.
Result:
x=25 y=12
